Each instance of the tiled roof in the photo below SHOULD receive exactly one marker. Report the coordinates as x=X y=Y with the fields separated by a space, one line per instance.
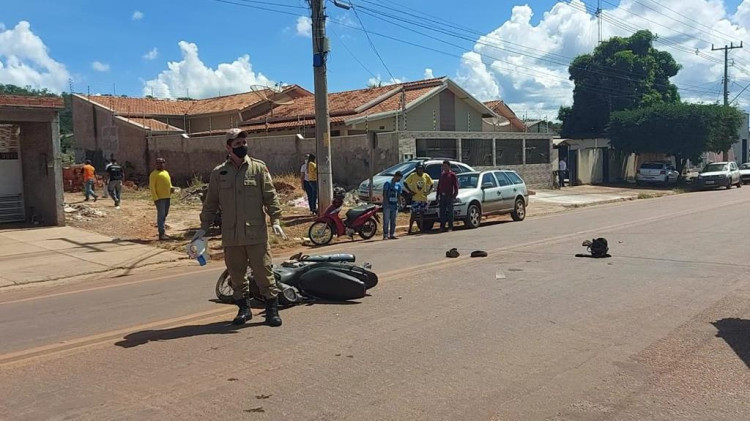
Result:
x=142 y=106
x=31 y=101
x=155 y=125
x=502 y=109
x=347 y=104
x=149 y=107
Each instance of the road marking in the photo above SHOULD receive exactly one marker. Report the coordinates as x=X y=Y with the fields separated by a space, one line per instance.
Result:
x=108 y=286
x=50 y=350
x=65 y=347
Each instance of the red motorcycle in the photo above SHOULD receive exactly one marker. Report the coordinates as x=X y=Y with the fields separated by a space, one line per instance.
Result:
x=362 y=220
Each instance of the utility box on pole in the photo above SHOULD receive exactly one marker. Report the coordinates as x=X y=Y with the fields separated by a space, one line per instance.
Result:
x=322 y=120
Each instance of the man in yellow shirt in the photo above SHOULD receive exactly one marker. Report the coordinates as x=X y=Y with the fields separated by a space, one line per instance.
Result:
x=311 y=183
x=160 y=184
x=419 y=185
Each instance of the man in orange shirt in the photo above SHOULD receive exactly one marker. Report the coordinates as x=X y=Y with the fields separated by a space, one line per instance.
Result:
x=89 y=178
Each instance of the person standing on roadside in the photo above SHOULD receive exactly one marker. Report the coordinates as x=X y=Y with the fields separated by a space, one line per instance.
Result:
x=243 y=189
x=114 y=185
x=447 y=191
x=89 y=178
x=562 y=169
x=309 y=178
x=391 y=193
x=418 y=184
x=160 y=184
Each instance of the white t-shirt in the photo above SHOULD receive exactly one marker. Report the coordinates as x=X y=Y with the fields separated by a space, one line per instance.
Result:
x=563 y=166
x=303 y=171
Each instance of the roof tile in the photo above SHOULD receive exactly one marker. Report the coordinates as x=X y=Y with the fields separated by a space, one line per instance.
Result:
x=31 y=101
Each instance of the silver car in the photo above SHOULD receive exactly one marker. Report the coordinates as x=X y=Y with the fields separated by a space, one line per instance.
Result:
x=745 y=173
x=432 y=167
x=494 y=192
x=719 y=174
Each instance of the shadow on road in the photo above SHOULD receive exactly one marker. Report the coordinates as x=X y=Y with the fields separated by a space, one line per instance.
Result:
x=736 y=333
x=146 y=336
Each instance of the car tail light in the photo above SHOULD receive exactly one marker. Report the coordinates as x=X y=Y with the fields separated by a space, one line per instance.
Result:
x=662 y=172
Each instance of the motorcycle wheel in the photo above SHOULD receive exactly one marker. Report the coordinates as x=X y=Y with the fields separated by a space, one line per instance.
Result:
x=369 y=229
x=224 y=291
x=320 y=233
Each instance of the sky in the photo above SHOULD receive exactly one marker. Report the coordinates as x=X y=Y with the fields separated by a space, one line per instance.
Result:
x=496 y=49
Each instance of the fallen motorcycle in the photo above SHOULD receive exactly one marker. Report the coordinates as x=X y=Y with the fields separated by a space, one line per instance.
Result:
x=304 y=278
x=362 y=221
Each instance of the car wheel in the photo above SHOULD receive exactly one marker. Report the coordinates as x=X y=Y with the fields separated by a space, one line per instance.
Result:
x=519 y=210
x=426 y=226
x=729 y=184
x=473 y=216
x=638 y=183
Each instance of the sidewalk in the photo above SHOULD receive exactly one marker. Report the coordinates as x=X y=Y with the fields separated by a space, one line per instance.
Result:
x=43 y=254
x=577 y=196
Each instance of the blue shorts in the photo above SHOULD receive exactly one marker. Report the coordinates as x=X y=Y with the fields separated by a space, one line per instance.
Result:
x=418 y=207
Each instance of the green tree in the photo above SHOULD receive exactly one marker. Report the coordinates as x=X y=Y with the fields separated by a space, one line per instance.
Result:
x=621 y=74
x=684 y=131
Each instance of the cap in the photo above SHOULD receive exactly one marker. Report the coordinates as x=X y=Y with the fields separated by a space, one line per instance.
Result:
x=234 y=134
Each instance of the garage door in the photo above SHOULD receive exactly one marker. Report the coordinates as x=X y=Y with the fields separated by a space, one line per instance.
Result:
x=11 y=178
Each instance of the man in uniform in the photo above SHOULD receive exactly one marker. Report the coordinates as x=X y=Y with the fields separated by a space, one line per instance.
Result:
x=243 y=189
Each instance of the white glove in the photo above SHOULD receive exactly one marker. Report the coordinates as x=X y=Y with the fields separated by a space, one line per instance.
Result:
x=278 y=231
x=198 y=235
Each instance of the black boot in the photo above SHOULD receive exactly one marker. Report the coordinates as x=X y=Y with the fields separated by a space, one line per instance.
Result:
x=272 y=312
x=244 y=314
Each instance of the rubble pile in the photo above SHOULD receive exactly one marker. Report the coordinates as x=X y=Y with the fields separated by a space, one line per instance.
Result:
x=82 y=212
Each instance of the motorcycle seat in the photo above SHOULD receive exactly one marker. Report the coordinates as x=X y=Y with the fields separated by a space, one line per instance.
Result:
x=355 y=213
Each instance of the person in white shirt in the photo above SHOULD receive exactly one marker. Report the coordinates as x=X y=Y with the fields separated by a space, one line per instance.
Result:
x=562 y=170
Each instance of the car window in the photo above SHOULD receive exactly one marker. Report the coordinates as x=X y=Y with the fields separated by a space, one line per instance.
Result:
x=714 y=167
x=514 y=178
x=465 y=168
x=502 y=179
x=404 y=167
x=468 y=181
x=734 y=166
x=434 y=171
x=652 y=166
x=456 y=169
x=745 y=166
x=489 y=178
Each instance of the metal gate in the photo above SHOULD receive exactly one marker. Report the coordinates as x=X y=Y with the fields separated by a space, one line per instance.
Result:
x=11 y=175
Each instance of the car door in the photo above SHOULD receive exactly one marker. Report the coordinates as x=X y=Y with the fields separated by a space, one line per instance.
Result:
x=491 y=195
x=735 y=171
x=508 y=191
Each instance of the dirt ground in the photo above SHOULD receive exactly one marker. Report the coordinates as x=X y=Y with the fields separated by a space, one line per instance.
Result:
x=136 y=219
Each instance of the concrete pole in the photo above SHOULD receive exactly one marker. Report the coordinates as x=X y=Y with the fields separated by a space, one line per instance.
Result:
x=322 y=119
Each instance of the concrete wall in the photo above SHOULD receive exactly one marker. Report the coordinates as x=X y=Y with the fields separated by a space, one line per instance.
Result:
x=350 y=155
x=216 y=122
x=99 y=134
x=42 y=172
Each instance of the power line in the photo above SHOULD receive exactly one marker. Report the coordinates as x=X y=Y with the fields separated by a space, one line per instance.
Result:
x=604 y=72
x=372 y=45
x=343 y=44
x=249 y=6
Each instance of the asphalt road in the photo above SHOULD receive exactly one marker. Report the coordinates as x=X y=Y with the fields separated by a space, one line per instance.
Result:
x=659 y=331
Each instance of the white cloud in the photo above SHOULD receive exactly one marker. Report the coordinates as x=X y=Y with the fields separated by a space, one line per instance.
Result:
x=137 y=15
x=527 y=63
x=152 y=54
x=304 y=26
x=191 y=76
x=99 y=66
x=25 y=60
x=428 y=73
x=378 y=81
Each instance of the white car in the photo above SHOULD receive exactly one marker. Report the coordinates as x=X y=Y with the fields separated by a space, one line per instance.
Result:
x=745 y=173
x=656 y=172
x=433 y=167
x=719 y=174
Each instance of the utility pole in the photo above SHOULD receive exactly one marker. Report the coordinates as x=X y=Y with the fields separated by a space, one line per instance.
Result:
x=726 y=49
x=599 y=18
x=322 y=118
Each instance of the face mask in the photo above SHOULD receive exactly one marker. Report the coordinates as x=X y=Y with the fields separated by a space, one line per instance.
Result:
x=240 y=151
